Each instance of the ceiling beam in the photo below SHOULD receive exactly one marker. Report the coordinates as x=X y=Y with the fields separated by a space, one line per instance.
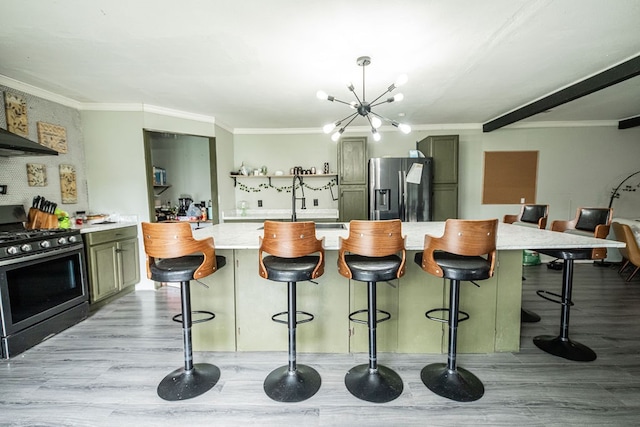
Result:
x=631 y=122
x=610 y=77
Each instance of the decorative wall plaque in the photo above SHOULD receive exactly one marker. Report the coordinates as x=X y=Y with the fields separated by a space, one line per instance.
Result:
x=68 y=186
x=16 y=109
x=52 y=136
x=36 y=175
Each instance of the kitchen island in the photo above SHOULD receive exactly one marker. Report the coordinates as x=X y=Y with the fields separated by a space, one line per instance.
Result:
x=244 y=302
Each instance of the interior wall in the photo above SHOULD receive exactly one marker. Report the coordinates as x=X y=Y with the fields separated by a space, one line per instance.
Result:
x=13 y=170
x=225 y=161
x=578 y=166
x=116 y=172
x=280 y=153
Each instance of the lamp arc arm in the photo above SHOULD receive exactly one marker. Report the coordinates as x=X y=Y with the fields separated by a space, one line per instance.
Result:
x=615 y=191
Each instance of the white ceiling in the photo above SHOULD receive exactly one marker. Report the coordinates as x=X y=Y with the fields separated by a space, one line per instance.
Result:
x=257 y=64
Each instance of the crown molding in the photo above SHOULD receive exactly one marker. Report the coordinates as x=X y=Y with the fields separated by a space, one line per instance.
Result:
x=40 y=93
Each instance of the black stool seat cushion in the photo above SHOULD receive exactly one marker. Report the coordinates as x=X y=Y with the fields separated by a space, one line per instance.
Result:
x=290 y=269
x=568 y=253
x=459 y=267
x=180 y=269
x=373 y=269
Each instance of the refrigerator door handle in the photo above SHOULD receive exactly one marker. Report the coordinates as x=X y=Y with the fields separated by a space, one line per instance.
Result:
x=402 y=192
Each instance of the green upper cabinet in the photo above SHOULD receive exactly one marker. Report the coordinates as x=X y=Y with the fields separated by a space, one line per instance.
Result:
x=444 y=150
x=352 y=161
x=352 y=177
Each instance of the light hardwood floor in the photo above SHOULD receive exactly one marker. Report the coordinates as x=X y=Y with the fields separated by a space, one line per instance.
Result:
x=104 y=371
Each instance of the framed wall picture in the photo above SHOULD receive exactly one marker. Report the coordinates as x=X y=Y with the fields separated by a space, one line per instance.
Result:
x=36 y=175
x=52 y=136
x=68 y=186
x=16 y=109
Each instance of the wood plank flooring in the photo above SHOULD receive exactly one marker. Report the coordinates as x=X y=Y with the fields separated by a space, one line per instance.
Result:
x=104 y=371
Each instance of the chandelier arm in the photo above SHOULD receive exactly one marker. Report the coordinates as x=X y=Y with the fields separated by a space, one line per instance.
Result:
x=382 y=117
x=348 y=117
x=379 y=103
x=341 y=101
x=348 y=123
x=381 y=95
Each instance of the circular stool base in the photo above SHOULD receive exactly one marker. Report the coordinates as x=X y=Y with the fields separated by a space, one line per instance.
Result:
x=181 y=384
x=283 y=385
x=379 y=386
x=459 y=385
x=564 y=348
x=528 y=316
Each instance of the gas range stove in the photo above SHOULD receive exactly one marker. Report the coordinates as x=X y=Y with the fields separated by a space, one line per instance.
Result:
x=16 y=241
x=15 y=244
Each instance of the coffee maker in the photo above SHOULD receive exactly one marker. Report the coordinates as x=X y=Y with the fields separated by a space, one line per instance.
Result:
x=183 y=205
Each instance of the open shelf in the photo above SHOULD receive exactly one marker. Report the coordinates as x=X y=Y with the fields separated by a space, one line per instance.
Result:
x=317 y=175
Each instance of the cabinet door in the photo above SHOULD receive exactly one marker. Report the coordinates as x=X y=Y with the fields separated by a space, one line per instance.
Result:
x=104 y=271
x=444 y=150
x=128 y=258
x=353 y=202
x=445 y=201
x=352 y=161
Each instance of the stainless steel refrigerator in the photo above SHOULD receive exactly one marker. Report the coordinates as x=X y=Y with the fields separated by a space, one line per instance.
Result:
x=401 y=188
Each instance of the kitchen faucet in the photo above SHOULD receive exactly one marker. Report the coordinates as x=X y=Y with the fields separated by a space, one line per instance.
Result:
x=294 y=198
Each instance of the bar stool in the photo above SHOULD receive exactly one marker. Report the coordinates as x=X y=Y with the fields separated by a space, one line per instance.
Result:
x=290 y=246
x=173 y=255
x=591 y=222
x=373 y=248
x=530 y=216
x=459 y=255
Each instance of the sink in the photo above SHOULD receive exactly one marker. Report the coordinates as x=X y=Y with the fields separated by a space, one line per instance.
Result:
x=324 y=225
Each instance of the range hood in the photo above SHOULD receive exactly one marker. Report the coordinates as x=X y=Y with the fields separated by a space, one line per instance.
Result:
x=15 y=145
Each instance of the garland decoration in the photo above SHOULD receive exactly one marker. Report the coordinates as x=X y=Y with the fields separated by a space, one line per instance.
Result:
x=286 y=188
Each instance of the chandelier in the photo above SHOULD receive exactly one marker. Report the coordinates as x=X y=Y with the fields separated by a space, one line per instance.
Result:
x=364 y=107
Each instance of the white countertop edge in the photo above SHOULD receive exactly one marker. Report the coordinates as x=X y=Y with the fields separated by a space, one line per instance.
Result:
x=510 y=237
x=92 y=228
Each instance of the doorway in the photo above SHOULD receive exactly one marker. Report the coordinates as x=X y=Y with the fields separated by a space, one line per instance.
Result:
x=180 y=166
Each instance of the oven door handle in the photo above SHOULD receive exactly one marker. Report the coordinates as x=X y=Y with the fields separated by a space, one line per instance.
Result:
x=41 y=255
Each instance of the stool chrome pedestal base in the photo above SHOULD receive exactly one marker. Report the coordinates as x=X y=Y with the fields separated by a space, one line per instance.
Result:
x=379 y=385
x=459 y=384
x=564 y=347
x=181 y=384
x=283 y=385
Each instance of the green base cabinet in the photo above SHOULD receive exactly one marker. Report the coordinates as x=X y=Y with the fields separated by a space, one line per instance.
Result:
x=112 y=261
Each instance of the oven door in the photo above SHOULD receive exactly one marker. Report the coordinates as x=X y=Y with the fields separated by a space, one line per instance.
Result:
x=36 y=287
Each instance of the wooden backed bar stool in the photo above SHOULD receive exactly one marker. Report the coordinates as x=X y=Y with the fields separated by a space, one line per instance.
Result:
x=536 y=216
x=465 y=252
x=370 y=254
x=173 y=255
x=590 y=222
x=290 y=247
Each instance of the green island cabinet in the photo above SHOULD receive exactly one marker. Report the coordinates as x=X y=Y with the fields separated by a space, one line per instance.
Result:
x=352 y=175
x=112 y=262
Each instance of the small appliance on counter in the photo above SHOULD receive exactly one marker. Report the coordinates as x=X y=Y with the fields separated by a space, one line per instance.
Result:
x=183 y=205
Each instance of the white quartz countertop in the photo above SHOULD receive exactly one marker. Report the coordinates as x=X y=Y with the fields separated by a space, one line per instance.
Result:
x=92 y=228
x=256 y=214
x=245 y=236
